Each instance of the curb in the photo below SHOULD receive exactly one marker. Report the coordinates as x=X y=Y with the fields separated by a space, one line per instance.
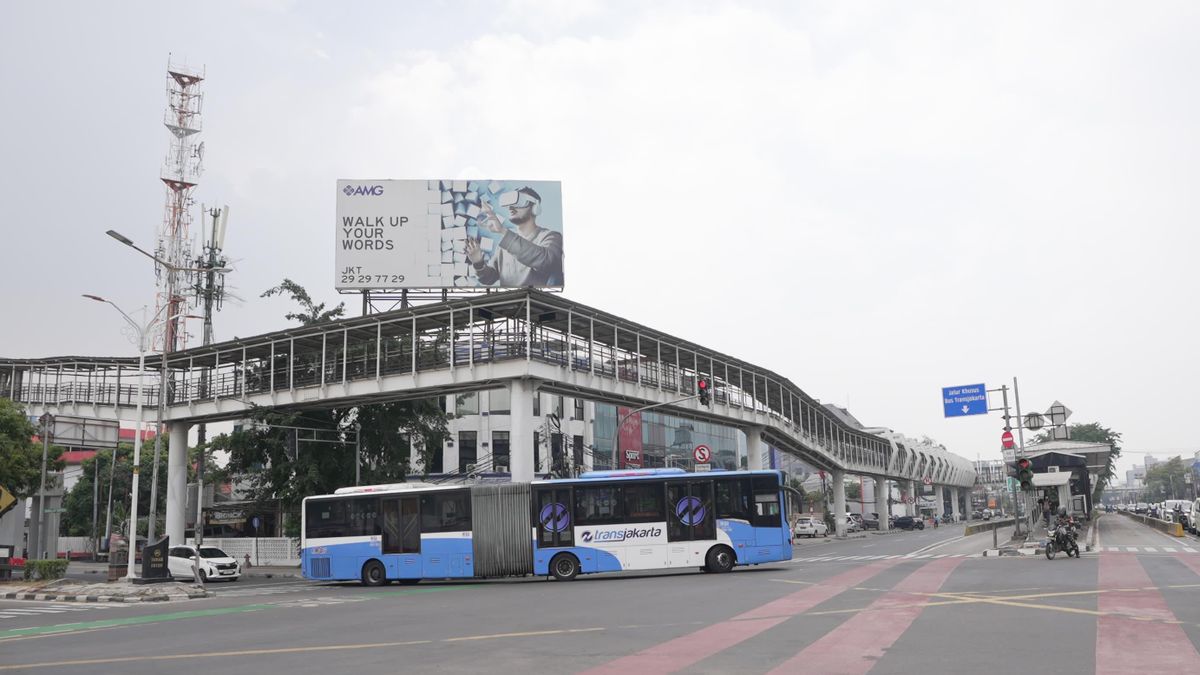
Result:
x=63 y=597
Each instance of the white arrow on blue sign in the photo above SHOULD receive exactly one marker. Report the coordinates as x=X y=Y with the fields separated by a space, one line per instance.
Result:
x=970 y=399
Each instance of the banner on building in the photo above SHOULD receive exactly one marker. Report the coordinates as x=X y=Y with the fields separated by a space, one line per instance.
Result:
x=629 y=440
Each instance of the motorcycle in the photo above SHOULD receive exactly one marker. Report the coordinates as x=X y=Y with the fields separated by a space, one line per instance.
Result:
x=1063 y=540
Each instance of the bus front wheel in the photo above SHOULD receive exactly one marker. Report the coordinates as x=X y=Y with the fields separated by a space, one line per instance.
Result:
x=719 y=559
x=373 y=574
x=564 y=567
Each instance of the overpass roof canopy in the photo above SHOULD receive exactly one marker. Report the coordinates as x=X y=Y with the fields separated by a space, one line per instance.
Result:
x=1095 y=455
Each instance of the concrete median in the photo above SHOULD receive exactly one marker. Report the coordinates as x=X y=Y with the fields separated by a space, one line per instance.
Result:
x=1166 y=526
x=987 y=526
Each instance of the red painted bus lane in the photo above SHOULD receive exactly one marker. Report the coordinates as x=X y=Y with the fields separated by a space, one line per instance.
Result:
x=687 y=650
x=1131 y=635
x=857 y=645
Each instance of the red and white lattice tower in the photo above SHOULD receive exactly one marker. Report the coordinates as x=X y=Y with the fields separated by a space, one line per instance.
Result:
x=180 y=174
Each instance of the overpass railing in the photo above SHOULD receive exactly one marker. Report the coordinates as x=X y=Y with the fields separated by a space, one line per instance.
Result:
x=527 y=324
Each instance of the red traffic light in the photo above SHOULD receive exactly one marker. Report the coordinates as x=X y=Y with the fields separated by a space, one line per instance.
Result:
x=703 y=384
x=1023 y=463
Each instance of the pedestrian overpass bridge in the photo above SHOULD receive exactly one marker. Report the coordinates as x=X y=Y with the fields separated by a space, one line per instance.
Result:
x=526 y=340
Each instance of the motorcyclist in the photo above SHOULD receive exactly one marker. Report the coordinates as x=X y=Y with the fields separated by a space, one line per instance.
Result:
x=1064 y=521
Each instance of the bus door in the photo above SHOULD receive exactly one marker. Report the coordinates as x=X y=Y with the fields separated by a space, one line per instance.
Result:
x=553 y=512
x=690 y=518
x=402 y=538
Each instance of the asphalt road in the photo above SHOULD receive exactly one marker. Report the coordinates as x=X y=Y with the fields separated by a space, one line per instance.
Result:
x=913 y=602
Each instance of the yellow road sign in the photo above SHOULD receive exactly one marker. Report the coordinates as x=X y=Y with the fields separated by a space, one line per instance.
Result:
x=7 y=501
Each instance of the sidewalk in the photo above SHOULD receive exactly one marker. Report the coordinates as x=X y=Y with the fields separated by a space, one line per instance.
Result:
x=73 y=590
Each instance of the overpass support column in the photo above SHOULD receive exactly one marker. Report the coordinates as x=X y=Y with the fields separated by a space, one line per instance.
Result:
x=176 y=481
x=754 y=447
x=939 y=495
x=839 y=502
x=954 y=492
x=914 y=509
x=521 y=393
x=881 y=503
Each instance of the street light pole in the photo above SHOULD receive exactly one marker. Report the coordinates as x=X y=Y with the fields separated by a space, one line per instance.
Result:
x=142 y=331
x=168 y=346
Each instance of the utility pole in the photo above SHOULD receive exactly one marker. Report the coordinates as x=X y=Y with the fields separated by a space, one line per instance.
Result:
x=211 y=291
x=47 y=420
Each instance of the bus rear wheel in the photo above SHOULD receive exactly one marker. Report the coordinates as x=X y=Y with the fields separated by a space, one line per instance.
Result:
x=373 y=574
x=564 y=567
x=719 y=559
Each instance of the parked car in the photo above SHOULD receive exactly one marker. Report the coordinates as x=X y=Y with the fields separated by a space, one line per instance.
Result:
x=909 y=523
x=871 y=522
x=1177 y=511
x=1193 y=512
x=807 y=526
x=214 y=563
x=854 y=522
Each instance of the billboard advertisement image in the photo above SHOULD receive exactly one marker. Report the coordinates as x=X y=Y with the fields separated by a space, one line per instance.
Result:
x=448 y=234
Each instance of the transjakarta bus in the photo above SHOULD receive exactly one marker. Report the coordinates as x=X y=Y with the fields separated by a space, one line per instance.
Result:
x=603 y=521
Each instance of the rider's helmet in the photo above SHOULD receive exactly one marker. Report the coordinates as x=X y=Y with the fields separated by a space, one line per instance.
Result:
x=1062 y=511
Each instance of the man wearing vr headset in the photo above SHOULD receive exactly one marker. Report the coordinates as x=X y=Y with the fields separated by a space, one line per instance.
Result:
x=530 y=256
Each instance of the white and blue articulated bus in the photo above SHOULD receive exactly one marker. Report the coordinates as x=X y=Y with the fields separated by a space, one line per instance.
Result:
x=603 y=521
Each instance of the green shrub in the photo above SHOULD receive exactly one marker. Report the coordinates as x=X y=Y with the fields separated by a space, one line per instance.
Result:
x=42 y=570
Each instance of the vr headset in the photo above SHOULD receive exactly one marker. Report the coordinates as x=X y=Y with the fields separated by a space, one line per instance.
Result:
x=522 y=198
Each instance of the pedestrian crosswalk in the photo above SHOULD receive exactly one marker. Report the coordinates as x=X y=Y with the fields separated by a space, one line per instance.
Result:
x=26 y=609
x=1149 y=549
x=867 y=558
x=255 y=591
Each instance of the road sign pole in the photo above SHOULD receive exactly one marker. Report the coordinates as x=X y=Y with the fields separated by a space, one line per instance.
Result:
x=1008 y=427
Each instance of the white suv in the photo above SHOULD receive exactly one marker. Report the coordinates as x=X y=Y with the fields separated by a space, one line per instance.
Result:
x=214 y=563
x=808 y=526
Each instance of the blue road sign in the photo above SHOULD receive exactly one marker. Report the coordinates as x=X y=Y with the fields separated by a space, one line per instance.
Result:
x=969 y=399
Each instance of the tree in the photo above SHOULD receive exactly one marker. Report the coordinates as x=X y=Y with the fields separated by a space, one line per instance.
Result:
x=77 y=519
x=1093 y=432
x=20 y=455
x=1167 y=480
x=310 y=312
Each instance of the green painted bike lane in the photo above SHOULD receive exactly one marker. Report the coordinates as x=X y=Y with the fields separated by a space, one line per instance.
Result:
x=192 y=614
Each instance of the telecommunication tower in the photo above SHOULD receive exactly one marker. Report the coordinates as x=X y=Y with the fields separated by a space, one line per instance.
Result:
x=180 y=173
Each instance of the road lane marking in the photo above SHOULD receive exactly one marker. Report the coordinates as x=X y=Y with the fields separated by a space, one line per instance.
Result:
x=13 y=633
x=1125 y=640
x=689 y=649
x=855 y=646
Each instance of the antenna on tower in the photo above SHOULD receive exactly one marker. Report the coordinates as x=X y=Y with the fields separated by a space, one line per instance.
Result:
x=180 y=173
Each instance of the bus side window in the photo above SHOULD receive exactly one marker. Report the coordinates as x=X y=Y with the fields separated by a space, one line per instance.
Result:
x=597 y=505
x=766 y=501
x=734 y=497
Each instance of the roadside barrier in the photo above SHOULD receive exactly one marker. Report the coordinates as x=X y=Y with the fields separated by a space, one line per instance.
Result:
x=1173 y=529
x=987 y=525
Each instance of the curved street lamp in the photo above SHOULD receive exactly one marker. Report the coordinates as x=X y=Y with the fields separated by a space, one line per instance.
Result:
x=142 y=332
x=162 y=382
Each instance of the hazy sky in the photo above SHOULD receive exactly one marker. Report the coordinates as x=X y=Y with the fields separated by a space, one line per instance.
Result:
x=874 y=200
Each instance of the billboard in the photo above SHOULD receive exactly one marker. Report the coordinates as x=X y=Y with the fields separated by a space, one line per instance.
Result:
x=448 y=234
x=629 y=438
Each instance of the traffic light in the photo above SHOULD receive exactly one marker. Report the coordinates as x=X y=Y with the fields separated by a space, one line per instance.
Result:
x=702 y=390
x=1025 y=473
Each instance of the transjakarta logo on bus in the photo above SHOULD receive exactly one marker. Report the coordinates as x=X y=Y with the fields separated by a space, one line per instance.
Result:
x=609 y=536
